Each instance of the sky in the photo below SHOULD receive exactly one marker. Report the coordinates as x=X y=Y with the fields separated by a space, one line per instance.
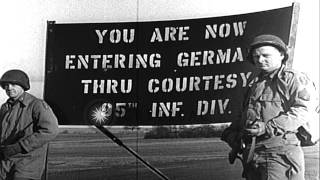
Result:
x=23 y=26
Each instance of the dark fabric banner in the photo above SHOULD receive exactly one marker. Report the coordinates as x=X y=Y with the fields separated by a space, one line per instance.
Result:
x=190 y=71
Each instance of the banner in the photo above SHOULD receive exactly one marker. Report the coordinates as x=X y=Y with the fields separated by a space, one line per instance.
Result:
x=190 y=71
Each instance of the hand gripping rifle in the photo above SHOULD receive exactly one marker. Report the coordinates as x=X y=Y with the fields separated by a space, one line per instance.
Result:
x=234 y=153
x=16 y=137
x=251 y=115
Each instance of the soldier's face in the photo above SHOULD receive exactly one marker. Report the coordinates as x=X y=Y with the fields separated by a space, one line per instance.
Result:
x=14 y=91
x=267 y=58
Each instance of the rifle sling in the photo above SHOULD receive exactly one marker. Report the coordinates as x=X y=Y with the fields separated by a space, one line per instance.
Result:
x=251 y=151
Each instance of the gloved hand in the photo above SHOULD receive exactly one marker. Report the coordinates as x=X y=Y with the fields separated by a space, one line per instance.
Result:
x=7 y=151
x=256 y=129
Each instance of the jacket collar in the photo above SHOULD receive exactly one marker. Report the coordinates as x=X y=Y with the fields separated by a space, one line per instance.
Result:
x=272 y=74
x=24 y=100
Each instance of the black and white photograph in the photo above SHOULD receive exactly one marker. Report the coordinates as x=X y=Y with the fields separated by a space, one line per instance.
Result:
x=159 y=90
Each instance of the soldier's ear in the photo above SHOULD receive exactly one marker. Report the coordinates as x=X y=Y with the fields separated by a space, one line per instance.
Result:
x=282 y=54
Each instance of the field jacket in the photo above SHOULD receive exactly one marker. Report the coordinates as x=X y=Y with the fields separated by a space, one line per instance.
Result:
x=36 y=119
x=281 y=100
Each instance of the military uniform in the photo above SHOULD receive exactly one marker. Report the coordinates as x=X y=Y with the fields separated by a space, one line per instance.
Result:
x=279 y=99
x=36 y=119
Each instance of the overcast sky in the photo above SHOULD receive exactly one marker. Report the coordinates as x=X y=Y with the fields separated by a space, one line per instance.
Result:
x=23 y=25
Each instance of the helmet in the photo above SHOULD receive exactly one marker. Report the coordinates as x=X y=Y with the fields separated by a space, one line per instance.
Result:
x=16 y=76
x=269 y=40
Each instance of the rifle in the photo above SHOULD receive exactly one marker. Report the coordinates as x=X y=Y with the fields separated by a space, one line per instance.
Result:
x=17 y=136
x=234 y=153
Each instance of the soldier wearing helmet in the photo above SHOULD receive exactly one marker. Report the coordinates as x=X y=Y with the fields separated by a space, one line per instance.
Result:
x=27 y=126
x=276 y=105
x=268 y=40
